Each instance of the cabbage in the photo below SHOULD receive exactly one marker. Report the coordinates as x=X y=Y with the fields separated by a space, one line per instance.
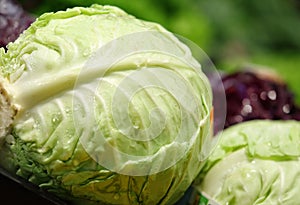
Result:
x=98 y=107
x=256 y=162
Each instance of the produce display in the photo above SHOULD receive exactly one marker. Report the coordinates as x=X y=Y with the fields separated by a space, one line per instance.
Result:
x=74 y=74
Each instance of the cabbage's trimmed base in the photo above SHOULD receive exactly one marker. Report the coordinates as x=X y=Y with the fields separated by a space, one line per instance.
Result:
x=7 y=113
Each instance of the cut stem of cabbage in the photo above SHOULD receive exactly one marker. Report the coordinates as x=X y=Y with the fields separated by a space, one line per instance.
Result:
x=7 y=113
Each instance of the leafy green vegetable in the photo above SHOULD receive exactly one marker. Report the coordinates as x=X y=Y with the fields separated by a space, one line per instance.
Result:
x=110 y=109
x=256 y=162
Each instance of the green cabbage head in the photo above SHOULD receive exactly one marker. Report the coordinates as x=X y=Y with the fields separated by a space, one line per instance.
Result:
x=98 y=107
x=256 y=162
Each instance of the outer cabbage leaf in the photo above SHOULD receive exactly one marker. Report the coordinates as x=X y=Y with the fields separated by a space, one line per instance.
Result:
x=256 y=162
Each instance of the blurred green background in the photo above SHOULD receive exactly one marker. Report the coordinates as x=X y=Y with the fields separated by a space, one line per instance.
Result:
x=234 y=33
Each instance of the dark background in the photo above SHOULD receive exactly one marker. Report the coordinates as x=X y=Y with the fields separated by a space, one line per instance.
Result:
x=14 y=194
